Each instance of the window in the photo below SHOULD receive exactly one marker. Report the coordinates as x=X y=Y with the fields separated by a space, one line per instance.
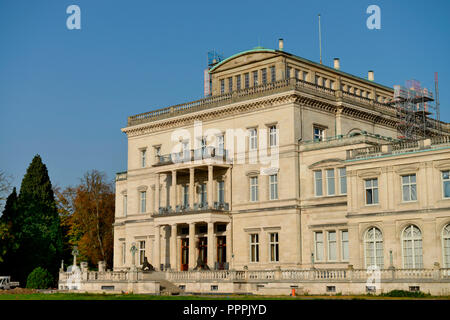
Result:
x=318 y=246
x=203 y=194
x=247 y=80
x=273 y=136
x=373 y=248
x=274 y=247
x=157 y=152
x=255 y=78
x=264 y=76
x=318 y=183
x=186 y=151
x=318 y=133
x=238 y=82
x=125 y=200
x=253 y=189
x=371 y=186
x=305 y=76
x=317 y=80
x=344 y=245
x=220 y=145
x=273 y=186
x=221 y=191
x=330 y=182
x=296 y=73
x=141 y=252
x=288 y=73
x=186 y=196
x=331 y=84
x=446 y=183
x=143 y=153
x=409 y=187
x=412 y=248
x=124 y=252
x=332 y=246
x=254 y=247
x=342 y=181
x=446 y=246
x=230 y=84
x=222 y=86
x=272 y=74
x=253 y=139
x=143 y=201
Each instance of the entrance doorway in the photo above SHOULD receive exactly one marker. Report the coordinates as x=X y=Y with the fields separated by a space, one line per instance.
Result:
x=184 y=254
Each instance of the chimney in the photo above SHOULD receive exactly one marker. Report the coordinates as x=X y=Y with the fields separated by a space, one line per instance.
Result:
x=280 y=44
x=336 y=64
x=370 y=75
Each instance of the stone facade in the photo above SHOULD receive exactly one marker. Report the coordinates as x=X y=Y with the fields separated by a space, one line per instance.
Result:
x=343 y=193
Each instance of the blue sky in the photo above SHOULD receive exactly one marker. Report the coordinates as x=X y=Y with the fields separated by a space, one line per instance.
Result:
x=65 y=94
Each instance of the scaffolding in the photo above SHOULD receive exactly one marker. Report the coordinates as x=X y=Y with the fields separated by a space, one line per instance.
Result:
x=415 y=111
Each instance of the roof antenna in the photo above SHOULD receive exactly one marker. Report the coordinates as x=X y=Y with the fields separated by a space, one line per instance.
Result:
x=320 y=42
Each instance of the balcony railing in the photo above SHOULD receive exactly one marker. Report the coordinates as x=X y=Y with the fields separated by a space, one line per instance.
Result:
x=120 y=176
x=192 y=155
x=197 y=208
x=248 y=93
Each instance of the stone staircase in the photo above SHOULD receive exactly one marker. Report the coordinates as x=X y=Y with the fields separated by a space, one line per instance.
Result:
x=167 y=288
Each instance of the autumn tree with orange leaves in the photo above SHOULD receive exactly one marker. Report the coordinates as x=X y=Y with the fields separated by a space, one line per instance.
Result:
x=87 y=216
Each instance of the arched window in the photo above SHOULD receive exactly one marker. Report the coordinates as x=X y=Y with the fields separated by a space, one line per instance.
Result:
x=412 y=248
x=446 y=246
x=373 y=247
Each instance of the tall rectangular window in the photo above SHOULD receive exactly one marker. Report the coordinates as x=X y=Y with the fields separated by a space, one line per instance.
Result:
x=331 y=84
x=203 y=194
x=305 y=76
x=274 y=247
x=186 y=151
x=125 y=200
x=220 y=145
x=157 y=153
x=330 y=182
x=288 y=73
x=253 y=139
x=318 y=245
x=332 y=246
x=254 y=247
x=255 y=78
x=409 y=187
x=238 y=82
x=264 y=76
x=273 y=76
x=446 y=183
x=143 y=201
x=246 y=80
x=222 y=86
x=221 y=191
x=371 y=186
x=342 y=181
x=296 y=73
x=273 y=136
x=253 y=189
x=186 y=196
x=318 y=182
x=344 y=245
x=230 y=84
x=141 y=252
x=143 y=157
x=318 y=133
x=273 y=184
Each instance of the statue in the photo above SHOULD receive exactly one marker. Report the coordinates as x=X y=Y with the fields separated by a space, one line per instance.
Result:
x=201 y=264
x=146 y=266
x=133 y=250
x=75 y=253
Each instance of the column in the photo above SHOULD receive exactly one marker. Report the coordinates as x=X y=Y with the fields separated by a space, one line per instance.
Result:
x=228 y=188
x=338 y=122
x=211 y=246
x=229 y=243
x=173 y=190
x=151 y=195
x=173 y=247
x=191 y=191
x=157 y=190
x=192 y=248
x=210 y=186
x=157 y=248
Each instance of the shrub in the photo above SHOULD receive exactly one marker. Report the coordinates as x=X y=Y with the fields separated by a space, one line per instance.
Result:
x=39 y=278
x=404 y=293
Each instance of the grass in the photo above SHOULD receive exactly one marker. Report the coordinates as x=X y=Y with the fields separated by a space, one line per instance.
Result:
x=89 y=296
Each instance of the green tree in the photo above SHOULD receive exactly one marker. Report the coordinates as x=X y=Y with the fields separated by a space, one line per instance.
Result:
x=7 y=240
x=39 y=278
x=37 y=224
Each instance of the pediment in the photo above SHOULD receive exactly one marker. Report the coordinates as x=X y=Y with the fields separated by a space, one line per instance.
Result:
x=326 y=163
x=243 y=58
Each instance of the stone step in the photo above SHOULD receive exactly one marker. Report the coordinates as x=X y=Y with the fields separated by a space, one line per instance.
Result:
x=168 y=288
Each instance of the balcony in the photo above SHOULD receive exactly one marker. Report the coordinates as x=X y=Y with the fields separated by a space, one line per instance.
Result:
x=199 y=207
x=120 y=176
x=213 y=153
